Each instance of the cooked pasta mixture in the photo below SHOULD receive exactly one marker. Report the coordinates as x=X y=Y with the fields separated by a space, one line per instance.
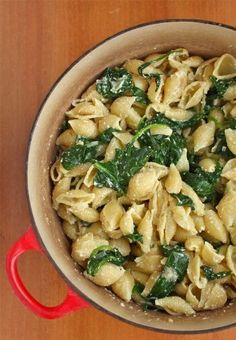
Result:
x=145 y=181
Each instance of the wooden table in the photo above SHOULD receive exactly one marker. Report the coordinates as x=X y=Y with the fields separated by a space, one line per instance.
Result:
x=38 y=40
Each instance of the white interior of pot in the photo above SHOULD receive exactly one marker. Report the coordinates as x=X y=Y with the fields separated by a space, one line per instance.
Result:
x=199 y=38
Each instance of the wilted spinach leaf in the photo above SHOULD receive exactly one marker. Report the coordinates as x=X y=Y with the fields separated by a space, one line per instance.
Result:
x=118 y=81
x=159 y=58
x=117 y=172
x=114 y=83
x=165 y=149
x=140 y=95
x=106 y=136
x=221 y=85
x=147 y=303
x=203 y=182
x=211 y=275
x=183 y=200
x=174 y=271
x=220 y=146
x=78 y=154
x=135 y=237
x=102 y=255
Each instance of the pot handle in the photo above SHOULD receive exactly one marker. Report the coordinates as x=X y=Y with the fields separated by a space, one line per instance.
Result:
x=71 y=302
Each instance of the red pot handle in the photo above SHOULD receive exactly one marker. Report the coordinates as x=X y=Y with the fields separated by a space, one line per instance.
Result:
x=71 y=302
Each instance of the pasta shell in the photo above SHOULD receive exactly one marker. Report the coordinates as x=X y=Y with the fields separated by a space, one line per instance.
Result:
x=174 y=86
x=231 y=258
x=87 y=110
x=66 y=138
x=193 y=94
x=210 y=256
x=110 y=215
x=231 y=140
x=123 y=286
x=198 y=205
x=217 y=298
x=145 y=228
x=226 y=209
x=194 y=272
x=107 y=275
x=215 y=227
x=229 y=170
x=173 y=181
x=84 y=127
x=83 y=246
x=203 y=136
x=225 y=67
x=175 y=305
x=183 y=163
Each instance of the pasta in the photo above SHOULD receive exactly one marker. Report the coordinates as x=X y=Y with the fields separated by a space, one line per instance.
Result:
x=145 y=181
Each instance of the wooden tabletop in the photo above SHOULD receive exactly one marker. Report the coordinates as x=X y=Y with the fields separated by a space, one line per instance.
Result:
x=38 y=40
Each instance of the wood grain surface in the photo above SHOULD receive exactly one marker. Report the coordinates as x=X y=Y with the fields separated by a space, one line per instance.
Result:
x=38 y=40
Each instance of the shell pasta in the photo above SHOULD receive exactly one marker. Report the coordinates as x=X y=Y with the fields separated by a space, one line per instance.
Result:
x=145 y=181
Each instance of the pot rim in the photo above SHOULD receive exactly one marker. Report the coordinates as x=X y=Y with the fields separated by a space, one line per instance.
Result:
x=34 y=224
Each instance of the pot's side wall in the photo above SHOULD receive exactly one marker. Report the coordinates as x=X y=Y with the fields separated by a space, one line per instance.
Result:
x=198 y=38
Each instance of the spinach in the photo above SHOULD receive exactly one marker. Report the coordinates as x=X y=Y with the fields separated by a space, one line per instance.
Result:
x=221 y=85
x=220 y=146
x=156 y=75
x=114 y=83
x=140 y=95
x=217 y=90
x=165 y=149
x=85 y=149
x=102 y=255
x=167 y=249
x=84 y=224
x=183 y=200
x=203 y=182
x=210 y=275
x=106 y=136
x=135 y=237
x=118 y=81
x=117 y=172
x=174 y=271
x=159 y=58
x=78 y=154
x=65 y=125
x=147 y=303
x=173 y=124
x=128 y=161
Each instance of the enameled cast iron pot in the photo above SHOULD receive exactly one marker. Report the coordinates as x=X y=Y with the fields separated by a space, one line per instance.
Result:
x=200 y=38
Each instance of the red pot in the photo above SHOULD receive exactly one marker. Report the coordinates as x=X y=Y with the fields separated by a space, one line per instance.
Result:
x=200 y=38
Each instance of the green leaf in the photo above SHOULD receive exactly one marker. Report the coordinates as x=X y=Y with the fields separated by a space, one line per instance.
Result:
x=147 y=303
x=116 y=173
x=159 y=58
x=135 y=237
x=165 y=149
x=115 y=82
x=102 y=255
x=173 y=124
x=78 y=154
x=221 y=85
x=211 y=275
x=167 y=249
x=106 y=136
x=140 y=95
x=203 y=182
x=174 y=271
x=220 y=146
x=183 y=200
x=84 y=224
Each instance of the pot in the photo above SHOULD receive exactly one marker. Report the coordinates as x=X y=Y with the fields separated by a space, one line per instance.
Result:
x=200 y=38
